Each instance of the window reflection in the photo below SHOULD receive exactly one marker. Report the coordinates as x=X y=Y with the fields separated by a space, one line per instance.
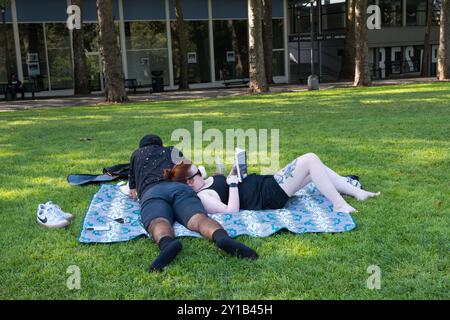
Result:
x=231 y=49
x=59 y=56
x=197 y=49
x=278 y=48
x=32 y=48
x=391 y=12
x=8 y=56
x=333 y=14
x=146 y=44
x=416 y=12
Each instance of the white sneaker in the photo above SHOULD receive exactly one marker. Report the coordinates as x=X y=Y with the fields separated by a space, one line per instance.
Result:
x=48 y=218
x=58 y=211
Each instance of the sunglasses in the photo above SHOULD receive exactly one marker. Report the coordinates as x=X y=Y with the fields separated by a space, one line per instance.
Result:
x=195 y=174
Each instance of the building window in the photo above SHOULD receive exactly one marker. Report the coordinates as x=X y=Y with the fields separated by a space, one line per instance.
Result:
x=301 y=19
x=416 y=12
x=90 y=35
x=295 y=17
x=146 y=44
x=333 y=14
x=197 y=49
x=231 y=49
x=278 y=48
x=34 y=59
x=437 y=12
x=34 y=39
x=391 y=12
x=93 y=61
x=7 y=55
x=59 y=56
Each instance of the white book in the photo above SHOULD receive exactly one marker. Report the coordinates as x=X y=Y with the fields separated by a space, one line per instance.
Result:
x=241 y=163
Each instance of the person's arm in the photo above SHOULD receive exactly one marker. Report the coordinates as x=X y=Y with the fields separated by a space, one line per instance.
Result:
x=233 y=194
x=214 y=205
x=132 y=179
x=133 y=194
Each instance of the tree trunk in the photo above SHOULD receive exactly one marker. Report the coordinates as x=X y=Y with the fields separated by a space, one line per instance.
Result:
x=80 y=76
x=444 y=42
x=362 y=72
x=182 y=50
x=268 y=39
x=348 y=56
x=258 y=80
x=426 y=58
x=237 y=52
x=110 y=53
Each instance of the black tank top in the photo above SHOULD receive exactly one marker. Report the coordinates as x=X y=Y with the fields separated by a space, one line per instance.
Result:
x=220 y=186
x=256 y=192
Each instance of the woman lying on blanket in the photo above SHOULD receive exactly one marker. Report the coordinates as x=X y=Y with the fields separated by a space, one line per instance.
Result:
x=220 y=194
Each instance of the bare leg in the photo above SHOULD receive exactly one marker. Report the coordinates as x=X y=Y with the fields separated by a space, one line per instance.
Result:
x=342 y=185
x=295 y=175
x=160 y=228
x=204 y=225
x=214 y=231
x=163 y=234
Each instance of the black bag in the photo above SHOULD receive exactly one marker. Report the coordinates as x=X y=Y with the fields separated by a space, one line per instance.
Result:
x=118 y=171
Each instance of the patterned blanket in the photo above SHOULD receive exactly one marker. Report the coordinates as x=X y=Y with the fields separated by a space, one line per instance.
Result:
x=113 y=217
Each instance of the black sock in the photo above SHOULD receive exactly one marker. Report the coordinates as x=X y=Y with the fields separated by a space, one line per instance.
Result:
x=169 y=248
x=231 y=246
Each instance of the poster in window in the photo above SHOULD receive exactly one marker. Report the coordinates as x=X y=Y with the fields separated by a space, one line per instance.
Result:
x=192 y=57
x=32 y=57
x=231 y=57
x=33 y=69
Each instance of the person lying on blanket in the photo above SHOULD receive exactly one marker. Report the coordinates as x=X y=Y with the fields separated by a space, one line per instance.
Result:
x=220 y=194
x=163 y=202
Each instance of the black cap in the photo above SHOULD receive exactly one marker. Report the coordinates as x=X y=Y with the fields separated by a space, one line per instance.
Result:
x=150 y=139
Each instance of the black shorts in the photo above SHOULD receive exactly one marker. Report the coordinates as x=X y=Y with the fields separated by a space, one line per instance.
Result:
x=172 y=201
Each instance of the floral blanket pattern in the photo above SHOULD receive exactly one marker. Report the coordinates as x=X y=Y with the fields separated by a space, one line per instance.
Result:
x=114 y=217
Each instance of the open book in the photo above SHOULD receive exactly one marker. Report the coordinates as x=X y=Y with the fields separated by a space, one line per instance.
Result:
x=241 y=163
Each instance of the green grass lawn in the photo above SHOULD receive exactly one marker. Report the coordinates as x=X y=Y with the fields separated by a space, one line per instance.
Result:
x=397 y=138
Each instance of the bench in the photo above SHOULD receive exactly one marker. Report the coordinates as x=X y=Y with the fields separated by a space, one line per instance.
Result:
x=26 y=87
x=133 y=84
x=4 y=89
x=235 y=82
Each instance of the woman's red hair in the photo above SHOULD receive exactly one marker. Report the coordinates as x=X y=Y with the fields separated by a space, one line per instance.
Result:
x=179 y=173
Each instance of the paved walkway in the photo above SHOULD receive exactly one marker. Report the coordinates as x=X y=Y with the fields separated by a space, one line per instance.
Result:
x=92 y=100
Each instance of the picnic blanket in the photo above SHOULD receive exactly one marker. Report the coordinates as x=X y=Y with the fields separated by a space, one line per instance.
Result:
x=307 y=211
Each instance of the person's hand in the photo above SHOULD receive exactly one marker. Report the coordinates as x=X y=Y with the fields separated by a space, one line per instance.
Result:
x=232 y=179
x=133 y=194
